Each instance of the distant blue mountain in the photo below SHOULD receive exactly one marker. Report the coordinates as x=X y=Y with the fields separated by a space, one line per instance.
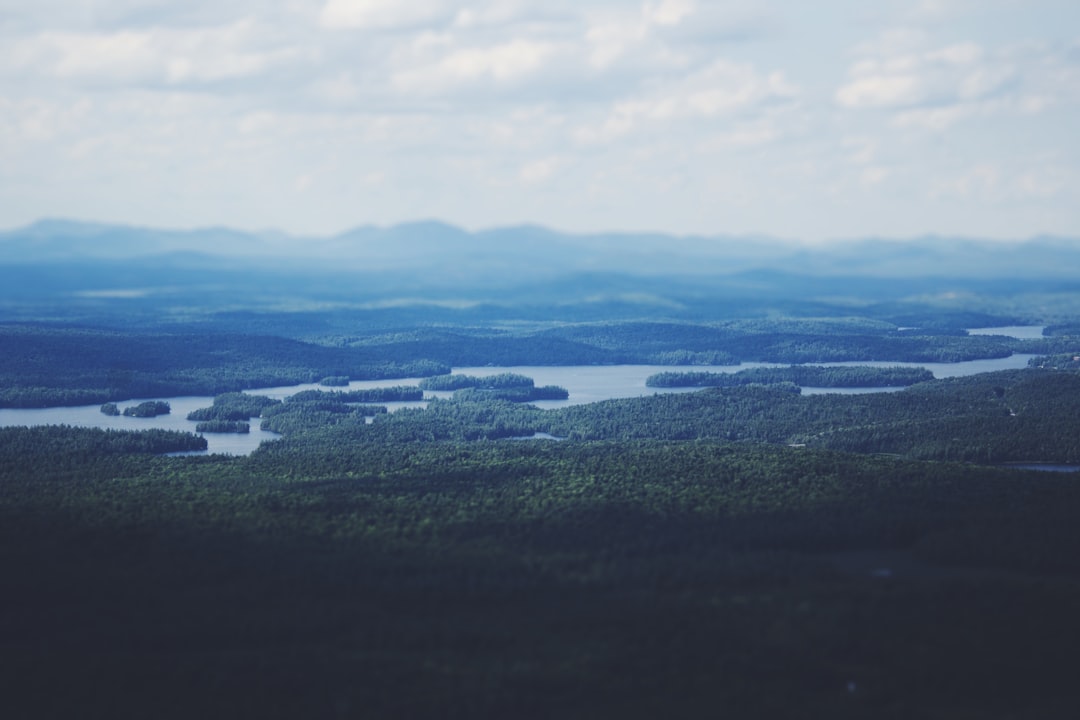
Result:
x=535 y=252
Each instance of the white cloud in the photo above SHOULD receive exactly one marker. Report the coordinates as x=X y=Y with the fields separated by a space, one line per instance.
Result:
x=874 y=175
x=1028 y=179
x=303 y=183
x=936 y=119
x=873 y=89
x=502 y=63
x=983 y=180
x=39 y=120
x=168 y=56
x=937 y=9
x=382 y=14
x=539 y=171
x=949 y=74
x=722 y=89
x=934 y=88
x=668 y=12
x=612 y=36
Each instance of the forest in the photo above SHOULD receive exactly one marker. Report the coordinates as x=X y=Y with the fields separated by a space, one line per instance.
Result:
x=742 y=549
x=804 y=376
x=62 y=365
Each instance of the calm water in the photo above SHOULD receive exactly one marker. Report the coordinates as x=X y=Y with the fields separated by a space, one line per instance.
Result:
x=586 y=384
x=90 y=416
x=1020 y=332
x=948 y=370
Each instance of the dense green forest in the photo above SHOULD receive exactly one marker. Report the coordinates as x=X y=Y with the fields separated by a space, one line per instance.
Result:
x=808 y=376
x=223 y=426
x=78 y=366
x=24 y=449
x=234 y=406
x=148 y=409
x=743 y=551
x=501 y=381
x=532 y=579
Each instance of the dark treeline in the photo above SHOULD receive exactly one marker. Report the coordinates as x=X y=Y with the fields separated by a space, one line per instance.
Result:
x=148 y=409
x=223 y=426
x=314 y=410
x=234 y=407
x=22 y=449
x=489 y=382
x=399 y=393
x=795 y=340
x=806 y=376
x=519 y=394
x=51 y=366
x=1069 y=329
x=1069 y=361
x=17 y=395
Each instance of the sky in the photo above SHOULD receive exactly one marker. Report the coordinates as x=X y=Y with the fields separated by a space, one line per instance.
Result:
x=802 y=120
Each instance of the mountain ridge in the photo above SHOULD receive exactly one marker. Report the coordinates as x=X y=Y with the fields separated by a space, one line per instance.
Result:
x=535 y=250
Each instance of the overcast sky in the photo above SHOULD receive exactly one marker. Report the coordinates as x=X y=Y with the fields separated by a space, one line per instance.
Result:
x=804 y=120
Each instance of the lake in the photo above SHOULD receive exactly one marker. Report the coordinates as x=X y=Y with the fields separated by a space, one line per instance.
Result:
x=1020 y=332
x=586 y=384
x=91 y=416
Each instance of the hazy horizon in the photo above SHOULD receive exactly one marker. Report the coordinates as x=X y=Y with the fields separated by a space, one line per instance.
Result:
x=613 y=232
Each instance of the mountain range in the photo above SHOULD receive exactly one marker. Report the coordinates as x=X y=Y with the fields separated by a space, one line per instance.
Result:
x=536 y=252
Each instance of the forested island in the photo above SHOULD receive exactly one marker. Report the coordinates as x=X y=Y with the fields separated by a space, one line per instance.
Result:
x=503 y=381
x=234 y=406
x=151 y=408
x=807 y=375
x=511 y=387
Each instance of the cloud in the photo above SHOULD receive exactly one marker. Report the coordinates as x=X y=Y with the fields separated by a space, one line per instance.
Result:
x=722 y=89
x=382 y=14
x=501 y=63
x=945 y=75
x=937 y=10
x=873 y=89
x=611 y=36
x=163 y=56
x=539 y=171
x=934 y=88
x=668 y=12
